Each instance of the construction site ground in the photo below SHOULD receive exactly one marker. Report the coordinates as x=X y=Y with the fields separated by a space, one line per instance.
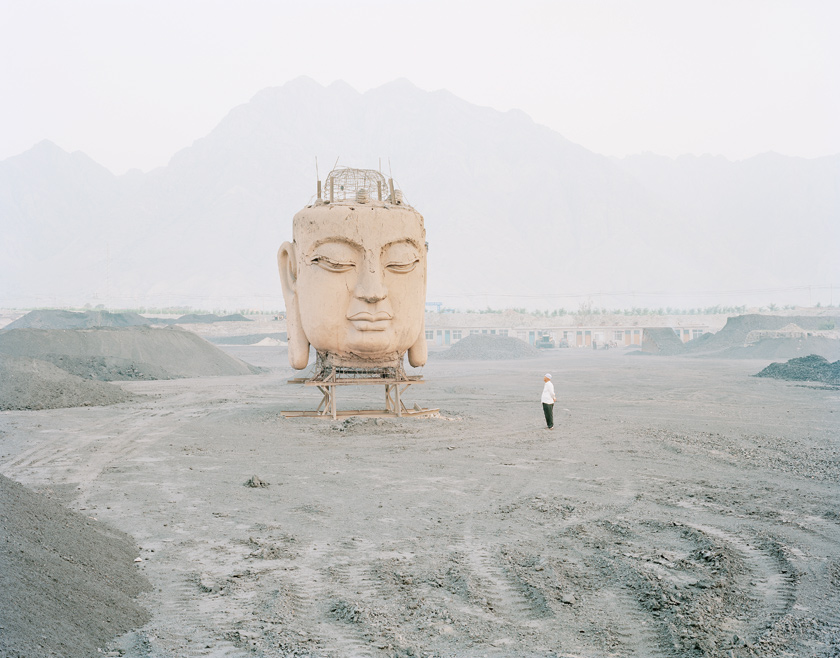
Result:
x=680 y=507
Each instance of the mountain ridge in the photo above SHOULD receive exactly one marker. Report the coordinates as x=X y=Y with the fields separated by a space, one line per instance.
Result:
x=494 y=187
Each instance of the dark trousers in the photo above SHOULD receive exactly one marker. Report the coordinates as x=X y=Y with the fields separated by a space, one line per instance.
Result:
x=548 y=409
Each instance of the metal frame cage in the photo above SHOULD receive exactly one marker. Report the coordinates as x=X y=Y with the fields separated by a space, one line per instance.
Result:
x=349 y=185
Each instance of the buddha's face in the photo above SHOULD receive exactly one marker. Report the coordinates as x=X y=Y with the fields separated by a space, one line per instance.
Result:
x=361 y=279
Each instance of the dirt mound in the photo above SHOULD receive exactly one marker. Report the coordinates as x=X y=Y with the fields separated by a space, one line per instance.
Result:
x=107 y=368
x=27 y=383
x=791 y=330
x=734 y=334
x=59 y=319
x=489 y=347
x=811 y=368
x=67 y=583
x=786 y=348
x=662 y=340
x=210 y=318
x=124 y=353
x=249 y=339
x=270 y=342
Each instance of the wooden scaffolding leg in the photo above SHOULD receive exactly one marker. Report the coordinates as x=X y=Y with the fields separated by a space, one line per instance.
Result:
x=405 y=388
x=393 y=399
x=325 y=401
x=394 y=406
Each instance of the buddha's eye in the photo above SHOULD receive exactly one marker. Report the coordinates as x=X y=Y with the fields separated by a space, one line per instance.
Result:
x=335 y=256
x=400 y=257
x=331 y=265
x=402 y=268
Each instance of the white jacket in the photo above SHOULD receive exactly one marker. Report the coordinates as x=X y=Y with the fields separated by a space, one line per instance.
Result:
x=548 y=396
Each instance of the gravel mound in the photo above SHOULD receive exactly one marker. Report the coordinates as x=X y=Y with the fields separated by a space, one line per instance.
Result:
x=27 y=383
x=488 y=347
x=734 y=333
x=107 y=368
x=811 y=368
x=662 y=340
x=250 y=339
x=786 y=348
x=67 y=583
x=124 y=353
x=59 y=319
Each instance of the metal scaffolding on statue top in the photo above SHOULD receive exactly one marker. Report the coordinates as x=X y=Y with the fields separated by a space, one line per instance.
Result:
x=349 y=185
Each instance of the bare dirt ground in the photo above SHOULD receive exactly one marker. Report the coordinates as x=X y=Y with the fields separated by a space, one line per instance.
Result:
x=680 y=507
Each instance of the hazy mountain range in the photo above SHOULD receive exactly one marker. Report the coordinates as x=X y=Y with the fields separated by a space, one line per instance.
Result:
x=516 y=215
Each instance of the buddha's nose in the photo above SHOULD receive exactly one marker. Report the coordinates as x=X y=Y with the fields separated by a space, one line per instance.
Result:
x=370 y=286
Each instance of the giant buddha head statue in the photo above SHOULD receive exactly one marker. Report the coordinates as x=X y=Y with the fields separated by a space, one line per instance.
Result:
x=354 y=275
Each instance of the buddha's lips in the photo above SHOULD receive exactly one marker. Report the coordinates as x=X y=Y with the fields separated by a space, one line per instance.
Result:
x=365 y=316
x=366 y=321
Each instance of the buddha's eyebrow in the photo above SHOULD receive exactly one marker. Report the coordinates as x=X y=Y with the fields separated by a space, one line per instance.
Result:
x=338 y=239
x=410 y=241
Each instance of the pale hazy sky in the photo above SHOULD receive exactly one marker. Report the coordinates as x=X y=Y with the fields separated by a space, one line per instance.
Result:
x=130 y=82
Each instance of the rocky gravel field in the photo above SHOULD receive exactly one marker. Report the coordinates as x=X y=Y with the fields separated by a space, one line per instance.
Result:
x=680 y=507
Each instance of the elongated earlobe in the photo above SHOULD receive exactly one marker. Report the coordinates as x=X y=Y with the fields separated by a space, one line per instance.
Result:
x=298 y=343
x=419 y=352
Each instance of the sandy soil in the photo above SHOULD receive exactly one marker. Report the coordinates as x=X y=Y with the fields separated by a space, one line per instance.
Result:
x=681 y=507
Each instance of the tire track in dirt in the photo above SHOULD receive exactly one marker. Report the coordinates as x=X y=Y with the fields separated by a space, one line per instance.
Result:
x=205 y=607
x=829 y=613
x=583 y=538
x=53 y=447
x=47 y=451
x=325 y=607
x=767 y=581
x=175 y=618
x=711 y=587
x=416 y=592
x=497 y=588
x=771 y=589
x=819 y=576
x=631 y=627
x=616 y=613
x=80 y=456
x=77 y=455
x=189 y=622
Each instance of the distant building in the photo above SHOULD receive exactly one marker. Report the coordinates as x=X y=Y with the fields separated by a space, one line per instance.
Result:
x=576 y=330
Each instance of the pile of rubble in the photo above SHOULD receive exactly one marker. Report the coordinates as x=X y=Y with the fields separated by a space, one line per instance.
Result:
x=811 y=368
x=67 y=582
x=27 y=383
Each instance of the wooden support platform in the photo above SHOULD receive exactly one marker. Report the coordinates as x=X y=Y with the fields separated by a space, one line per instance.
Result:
x=394 y=406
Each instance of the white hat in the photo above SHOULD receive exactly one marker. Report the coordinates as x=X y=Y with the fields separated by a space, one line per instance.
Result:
x=547 y=376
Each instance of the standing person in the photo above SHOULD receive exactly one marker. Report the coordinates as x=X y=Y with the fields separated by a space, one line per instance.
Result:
x=548 y=400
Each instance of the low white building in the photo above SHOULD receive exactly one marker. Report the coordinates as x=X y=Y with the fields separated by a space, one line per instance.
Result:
x=577 y=330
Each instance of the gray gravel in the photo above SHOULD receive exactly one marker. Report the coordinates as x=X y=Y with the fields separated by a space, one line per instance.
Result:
x=67 y=582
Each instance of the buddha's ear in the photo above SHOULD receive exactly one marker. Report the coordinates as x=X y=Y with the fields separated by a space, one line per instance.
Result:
x=419 y=352
x=287 y=265
x=298 y=343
